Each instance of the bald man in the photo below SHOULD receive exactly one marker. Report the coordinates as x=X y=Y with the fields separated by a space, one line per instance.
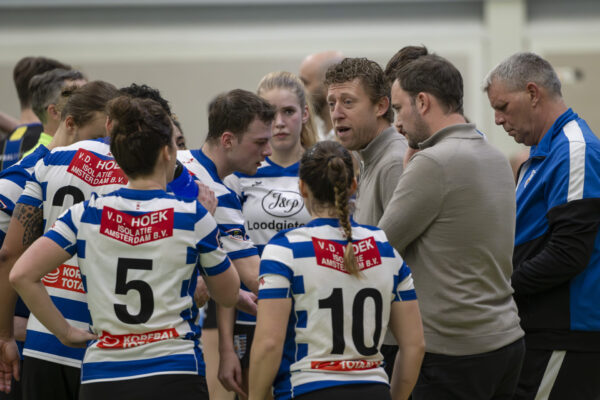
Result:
x=312 y=73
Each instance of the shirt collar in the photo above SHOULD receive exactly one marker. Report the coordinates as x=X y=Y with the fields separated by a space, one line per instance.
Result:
x=543 y=147
x=464 y=131
x=378 y=145
x=321 y=221
x=206 y=163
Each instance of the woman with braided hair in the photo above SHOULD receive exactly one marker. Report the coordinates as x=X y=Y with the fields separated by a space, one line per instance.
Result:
x=327 y=293
x=270 y=198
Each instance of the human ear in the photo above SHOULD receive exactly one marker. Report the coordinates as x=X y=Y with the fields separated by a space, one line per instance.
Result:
x=382 y=106
x=70 y=124
x=303 y=189
x=533 y=93
x=423 y=102
x=227 y=139
x=166 y=151
x=305 y=114
x=53 y=112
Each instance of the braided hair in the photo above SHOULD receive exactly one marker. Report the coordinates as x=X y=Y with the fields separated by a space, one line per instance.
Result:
x=328 y=171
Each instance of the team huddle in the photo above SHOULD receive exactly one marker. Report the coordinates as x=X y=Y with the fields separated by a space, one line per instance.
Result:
x=285 y=254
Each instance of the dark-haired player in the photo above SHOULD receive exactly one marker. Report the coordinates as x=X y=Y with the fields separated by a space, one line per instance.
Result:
x=140 y=296
x=327 y=293
x=239 y=129
x=27 y=133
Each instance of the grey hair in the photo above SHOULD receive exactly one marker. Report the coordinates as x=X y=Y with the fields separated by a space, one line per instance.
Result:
x=519 y=69
x=45 y=89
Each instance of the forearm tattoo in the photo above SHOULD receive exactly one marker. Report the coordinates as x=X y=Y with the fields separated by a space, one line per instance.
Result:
x=32 y=220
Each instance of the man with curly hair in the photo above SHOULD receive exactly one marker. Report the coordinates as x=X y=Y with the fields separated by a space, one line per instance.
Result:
x=359 y=102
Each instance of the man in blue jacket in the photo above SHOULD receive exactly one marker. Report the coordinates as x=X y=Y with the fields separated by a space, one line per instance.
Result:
x=557 y=245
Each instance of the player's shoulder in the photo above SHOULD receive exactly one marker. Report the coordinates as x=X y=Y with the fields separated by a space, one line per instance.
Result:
x=63 y=154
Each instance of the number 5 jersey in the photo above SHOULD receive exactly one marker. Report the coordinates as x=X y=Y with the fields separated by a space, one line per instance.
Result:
x=139 y=252
x=338 y=321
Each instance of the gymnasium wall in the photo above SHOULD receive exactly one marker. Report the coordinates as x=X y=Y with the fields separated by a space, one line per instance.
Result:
x=194 y=49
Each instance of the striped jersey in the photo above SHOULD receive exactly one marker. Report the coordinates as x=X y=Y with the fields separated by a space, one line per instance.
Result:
x=23 y=138
x=271 y=202
x=337 y=322
x=228 y=215
x=140 y=295
x=63 y=177
x=12 y=183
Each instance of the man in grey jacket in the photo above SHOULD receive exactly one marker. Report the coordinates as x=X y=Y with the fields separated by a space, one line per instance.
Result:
x=359 y=102
x=452 y=217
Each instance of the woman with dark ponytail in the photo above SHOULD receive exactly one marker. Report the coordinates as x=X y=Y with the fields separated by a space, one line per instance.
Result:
x=328 y=291
x=139 y=250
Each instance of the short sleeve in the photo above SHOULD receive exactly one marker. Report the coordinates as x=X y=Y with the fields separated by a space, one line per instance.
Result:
x=12 y=182
x=234 y=239
x=404 y=289
x=211 y=257
x=276 y=273
x=32 y=194
x=65 y=228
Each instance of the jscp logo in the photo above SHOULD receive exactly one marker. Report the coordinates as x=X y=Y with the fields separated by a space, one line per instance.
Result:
x=282 y=203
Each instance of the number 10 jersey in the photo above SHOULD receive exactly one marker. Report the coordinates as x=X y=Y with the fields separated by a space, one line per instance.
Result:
x=338 y=321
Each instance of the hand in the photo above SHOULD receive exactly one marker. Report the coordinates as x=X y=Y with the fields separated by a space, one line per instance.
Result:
x=246 y=302
x=9 y=363
x=207 y=198
x=76 y=337
x=230 y=372
x=201 y=294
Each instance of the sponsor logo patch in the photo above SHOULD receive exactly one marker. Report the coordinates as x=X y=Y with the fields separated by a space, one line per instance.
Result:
x=108 y=341
x=330 y=254
x=95 y=171
x=273 y=224
x=66 y=277
x=282 y=203
x=346 y=365
x=236 y=234
x=137 y=229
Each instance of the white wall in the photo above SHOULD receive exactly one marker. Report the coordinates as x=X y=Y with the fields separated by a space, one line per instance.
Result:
x=193 y=53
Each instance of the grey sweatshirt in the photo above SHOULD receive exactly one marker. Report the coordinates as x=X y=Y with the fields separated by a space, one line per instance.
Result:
x=452 y=217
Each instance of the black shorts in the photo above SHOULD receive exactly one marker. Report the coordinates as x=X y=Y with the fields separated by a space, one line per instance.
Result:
x=210 y=319
x=46 y=380
x=375 y=391
x=242 y=342
x=159 y=387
